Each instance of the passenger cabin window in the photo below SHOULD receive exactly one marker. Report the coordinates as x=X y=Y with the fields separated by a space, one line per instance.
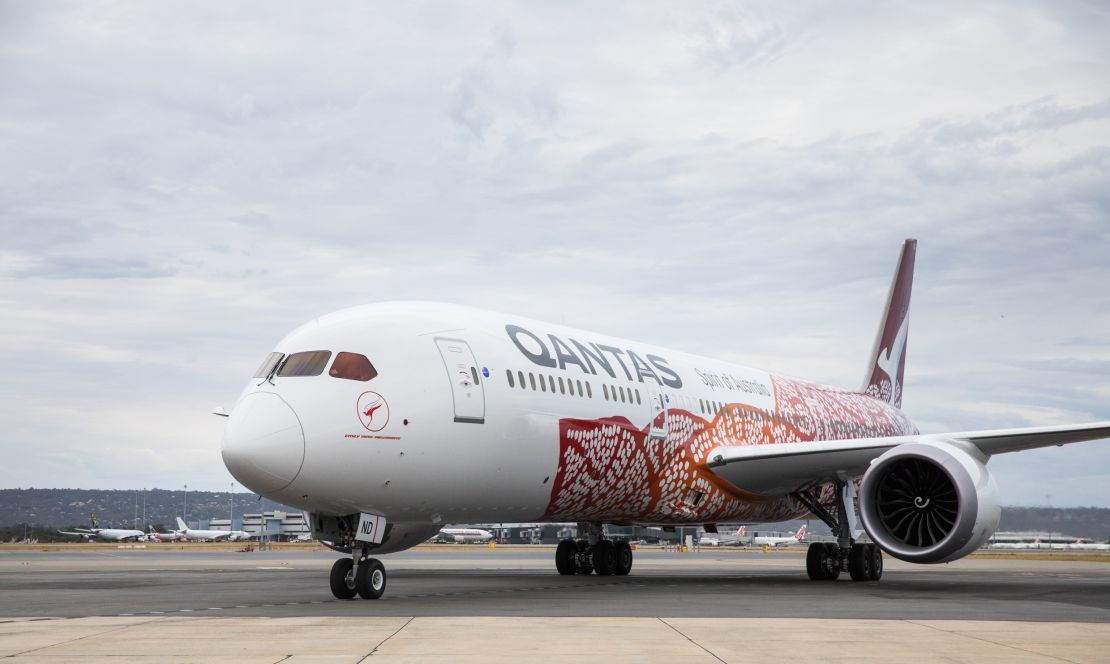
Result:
x=509 y=376
x=352 y=366
x=308 y=363
x=268 y=365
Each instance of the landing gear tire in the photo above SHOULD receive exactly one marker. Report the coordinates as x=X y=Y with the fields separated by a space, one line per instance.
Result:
x=584 y=563
x=564 y=557
x=832 y=561
x=624 y=558
x=342 y=579
x=370 y=579
x=876 y=563
x=859 y=562
x=605 y=558
x=823 y=561
x=815 y=566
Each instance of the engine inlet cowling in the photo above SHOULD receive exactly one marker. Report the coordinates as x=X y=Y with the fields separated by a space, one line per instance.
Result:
x=929 y=501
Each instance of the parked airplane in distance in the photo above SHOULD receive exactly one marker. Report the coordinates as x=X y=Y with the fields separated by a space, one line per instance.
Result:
x=106 y=534
x=464 y=535
x=171 y=536
x=724 y=539
x=1088 y=546
x=210 y=535
x=384 y=421
x=796 y=538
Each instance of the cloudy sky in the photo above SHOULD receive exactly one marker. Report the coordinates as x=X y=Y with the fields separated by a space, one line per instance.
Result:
x=183 y=183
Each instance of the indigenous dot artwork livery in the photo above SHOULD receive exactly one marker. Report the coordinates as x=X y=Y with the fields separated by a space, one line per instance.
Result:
x=611 y=470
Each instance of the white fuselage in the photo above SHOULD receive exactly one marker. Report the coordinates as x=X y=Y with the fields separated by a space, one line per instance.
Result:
x=466 y=535
x=602 y=429
x=119 y=534
x=214 y=535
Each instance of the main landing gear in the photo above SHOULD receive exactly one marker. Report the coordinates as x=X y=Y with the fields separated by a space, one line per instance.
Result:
x=358 y=575
x=593 y=554
x=826 y=560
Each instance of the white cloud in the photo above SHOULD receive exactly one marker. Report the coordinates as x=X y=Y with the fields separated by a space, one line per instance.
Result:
x=181 y=186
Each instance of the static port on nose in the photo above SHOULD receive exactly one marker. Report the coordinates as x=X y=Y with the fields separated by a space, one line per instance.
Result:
x=263 y=443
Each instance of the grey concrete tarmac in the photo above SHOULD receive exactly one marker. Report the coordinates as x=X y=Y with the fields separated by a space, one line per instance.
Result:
x=450 y=581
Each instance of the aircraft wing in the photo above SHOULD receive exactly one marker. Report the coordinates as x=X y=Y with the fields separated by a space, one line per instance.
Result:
x=786 y=467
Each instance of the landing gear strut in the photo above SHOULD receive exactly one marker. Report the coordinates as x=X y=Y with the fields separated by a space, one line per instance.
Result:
x=826 y=560
x=358 y=575
x=593 y=554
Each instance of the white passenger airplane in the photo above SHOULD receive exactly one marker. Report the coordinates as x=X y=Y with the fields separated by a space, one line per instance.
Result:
x=724 y=539
x=387 y=420
x=106 y=534
x=464 y=535
x=210 y=535
x=171 y=536
x=796 y=538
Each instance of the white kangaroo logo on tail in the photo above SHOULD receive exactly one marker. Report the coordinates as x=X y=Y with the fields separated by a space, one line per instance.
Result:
x=889 y=363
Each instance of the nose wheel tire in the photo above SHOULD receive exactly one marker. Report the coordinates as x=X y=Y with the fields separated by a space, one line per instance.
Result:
x=370 y=579
x=343 y=579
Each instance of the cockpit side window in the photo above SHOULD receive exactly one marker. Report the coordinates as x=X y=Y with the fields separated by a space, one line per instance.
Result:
x=308 y=363
x=268 y=365
x=352 y=366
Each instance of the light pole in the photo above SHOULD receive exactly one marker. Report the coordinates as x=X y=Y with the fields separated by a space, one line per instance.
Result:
x=21 y=508
x=185 y=508
x=231 y=507
x=144 y=507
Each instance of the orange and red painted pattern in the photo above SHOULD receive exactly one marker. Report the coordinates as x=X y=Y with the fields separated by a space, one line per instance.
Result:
x=612 y=471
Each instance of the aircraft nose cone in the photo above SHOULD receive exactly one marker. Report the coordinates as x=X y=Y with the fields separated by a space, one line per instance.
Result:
x=263 y=443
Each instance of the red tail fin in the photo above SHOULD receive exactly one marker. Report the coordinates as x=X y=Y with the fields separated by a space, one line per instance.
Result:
x=887 y=367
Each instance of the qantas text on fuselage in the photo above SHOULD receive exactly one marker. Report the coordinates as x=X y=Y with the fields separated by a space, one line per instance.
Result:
x=386 y=421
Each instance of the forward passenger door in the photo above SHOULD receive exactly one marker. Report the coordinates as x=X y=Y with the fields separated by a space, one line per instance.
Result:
x=467 y=390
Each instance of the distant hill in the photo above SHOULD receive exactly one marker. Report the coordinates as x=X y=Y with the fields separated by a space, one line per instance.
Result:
x=57 y=508
x=1087 y=522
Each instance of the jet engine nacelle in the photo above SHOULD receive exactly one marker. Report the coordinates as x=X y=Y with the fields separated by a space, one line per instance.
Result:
x=929 y=501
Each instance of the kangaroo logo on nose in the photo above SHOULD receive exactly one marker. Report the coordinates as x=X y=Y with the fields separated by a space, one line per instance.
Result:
x=373 y=411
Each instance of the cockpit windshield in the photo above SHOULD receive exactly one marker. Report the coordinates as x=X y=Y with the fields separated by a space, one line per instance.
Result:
x=268 y=365
x=352 y=366
x=308 y=363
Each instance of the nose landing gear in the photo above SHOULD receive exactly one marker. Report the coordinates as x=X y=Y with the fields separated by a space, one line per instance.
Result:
x=366 y=579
